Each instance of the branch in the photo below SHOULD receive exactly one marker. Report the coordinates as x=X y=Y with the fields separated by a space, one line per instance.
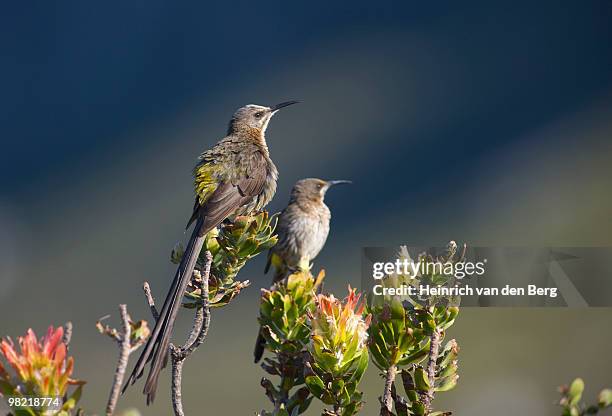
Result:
x=196 y=337
x=434 y=348
x=124 y=353
x=67 y=333
x=287 y=367
x=150 y=300
x=127 y=345
x=387 y=399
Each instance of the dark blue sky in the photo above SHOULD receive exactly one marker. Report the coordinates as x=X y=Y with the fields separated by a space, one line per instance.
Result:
x=76 y=75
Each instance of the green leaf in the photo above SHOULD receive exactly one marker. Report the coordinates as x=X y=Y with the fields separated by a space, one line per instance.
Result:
x=6 y=388
x=397 y=309
x=412 y=395
x=74 y=399
x=575 y=391
x=421 y=380
x=337 y=385
x=326 y=360
x=282 y=411
x=449 y=318
x=351 y=409
x=25 y=411
x=345 y=397
x=449 y=370
x=379 y=359
x=450 y=353
x=299 y=401
x=447 y=384
x=418 y=408
x=605 y=398
x=401 y=409
x=408 y=383
x=362 y=364
x=315 y=385
x=417 y=356
x=303 y=407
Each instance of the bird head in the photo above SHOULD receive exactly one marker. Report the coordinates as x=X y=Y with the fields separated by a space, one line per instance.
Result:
x=313 y=189
x=253 y=116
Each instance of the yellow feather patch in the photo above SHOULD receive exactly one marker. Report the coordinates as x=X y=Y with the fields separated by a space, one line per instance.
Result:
x=276 y=261
x=205 y=181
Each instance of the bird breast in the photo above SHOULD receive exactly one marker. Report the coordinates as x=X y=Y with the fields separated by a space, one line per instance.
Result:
x=302 y=233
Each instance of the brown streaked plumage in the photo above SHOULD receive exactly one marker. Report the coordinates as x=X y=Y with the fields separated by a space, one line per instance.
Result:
x=235 y=177
x=302 y=230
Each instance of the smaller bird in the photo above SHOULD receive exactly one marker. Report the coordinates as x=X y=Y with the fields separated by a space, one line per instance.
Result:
x=302 y=231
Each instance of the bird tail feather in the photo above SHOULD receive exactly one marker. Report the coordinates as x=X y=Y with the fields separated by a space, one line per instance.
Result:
x=156 y=348
x=260 y=345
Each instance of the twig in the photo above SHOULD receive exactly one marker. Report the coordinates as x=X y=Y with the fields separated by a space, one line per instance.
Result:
x=387 y=399
x=127 y=345
x=434 y=348
x=67 y=333
x=107 y=330
x=287 y=372
x=124 y=353
x=196 y=337
x=150 y=300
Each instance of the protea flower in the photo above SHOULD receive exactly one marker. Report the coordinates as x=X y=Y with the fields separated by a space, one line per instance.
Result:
x=42 y=367
x=339 y=331
x=339 y=351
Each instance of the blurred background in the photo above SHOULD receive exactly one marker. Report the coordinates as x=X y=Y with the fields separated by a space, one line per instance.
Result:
x=480 y=122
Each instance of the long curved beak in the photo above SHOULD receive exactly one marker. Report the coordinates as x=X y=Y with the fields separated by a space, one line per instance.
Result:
x=338 y=182
x=282 y=105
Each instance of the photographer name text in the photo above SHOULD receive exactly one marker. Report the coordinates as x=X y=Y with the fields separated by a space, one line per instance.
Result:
x=465 y=290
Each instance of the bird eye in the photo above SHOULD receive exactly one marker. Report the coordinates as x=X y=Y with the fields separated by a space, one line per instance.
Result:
x=259 y=114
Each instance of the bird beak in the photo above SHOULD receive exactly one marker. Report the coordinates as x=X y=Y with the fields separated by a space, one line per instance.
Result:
x=338 y=182
x=277 y=107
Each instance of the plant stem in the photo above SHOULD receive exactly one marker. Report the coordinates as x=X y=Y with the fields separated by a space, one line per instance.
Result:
x=150 y=300
x=177 y=378
x=125 y=349
x=67 y=333
x=434 y=348
x=287 y=374
x=387 y=399
x=284 y=394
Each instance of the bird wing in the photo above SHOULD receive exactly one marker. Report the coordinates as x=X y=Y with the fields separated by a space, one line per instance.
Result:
x=231 y=195
x=223 y=202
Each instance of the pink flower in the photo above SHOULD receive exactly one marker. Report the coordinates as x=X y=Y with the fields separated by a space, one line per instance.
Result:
x=41 y=366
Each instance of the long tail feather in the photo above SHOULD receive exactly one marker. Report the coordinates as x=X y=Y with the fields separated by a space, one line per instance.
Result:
x=156 y=349
x=260 y=345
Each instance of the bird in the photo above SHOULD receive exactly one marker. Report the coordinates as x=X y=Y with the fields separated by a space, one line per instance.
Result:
x=235 y=177
x=302 y=229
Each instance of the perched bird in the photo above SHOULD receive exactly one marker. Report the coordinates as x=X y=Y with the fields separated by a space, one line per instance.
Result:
x=302 y=231
x=235 y=177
